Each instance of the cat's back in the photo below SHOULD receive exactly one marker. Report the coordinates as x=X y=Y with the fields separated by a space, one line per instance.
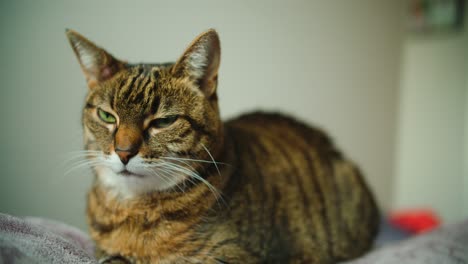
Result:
x=302 y=188
x=274 y=137
x=276 y=126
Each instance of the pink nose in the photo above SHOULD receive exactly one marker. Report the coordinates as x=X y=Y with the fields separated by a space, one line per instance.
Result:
x=125 y=156
x=127 y=142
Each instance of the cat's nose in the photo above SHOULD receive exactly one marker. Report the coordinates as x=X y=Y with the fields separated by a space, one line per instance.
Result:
x=125 y=155
x=127 y=142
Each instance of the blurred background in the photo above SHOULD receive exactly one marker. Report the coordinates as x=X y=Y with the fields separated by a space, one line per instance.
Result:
x=387 y=79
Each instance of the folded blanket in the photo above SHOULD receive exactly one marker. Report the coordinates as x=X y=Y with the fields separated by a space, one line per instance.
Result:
x=446 y=245
x=32 y=240
x=36 y=240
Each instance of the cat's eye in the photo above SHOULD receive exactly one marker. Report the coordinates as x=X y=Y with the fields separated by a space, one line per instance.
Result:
x=106 y=117
x=164 y=122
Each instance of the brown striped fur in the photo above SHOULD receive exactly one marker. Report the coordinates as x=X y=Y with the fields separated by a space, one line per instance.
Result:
x=286 y=194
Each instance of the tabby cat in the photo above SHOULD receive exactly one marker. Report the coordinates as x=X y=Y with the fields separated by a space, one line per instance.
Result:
x=175 y=184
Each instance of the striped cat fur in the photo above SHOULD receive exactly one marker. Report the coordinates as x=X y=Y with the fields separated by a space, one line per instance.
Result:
x=175 y=184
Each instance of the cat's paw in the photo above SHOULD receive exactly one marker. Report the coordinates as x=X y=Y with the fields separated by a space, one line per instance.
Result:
x=115 y=259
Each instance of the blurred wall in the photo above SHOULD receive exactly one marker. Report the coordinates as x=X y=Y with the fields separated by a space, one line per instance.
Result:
x=432 y=156
x=333 y=64
x=465 y=156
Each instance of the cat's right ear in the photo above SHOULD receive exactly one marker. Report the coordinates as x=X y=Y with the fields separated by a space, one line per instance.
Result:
x=200 y=62
x=97 y=64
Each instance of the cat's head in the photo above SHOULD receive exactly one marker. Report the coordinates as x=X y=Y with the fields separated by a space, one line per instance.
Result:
x=151 y=127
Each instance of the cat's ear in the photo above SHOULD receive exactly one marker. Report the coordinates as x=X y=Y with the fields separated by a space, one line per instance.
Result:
x=200 y=62
x=97 y=64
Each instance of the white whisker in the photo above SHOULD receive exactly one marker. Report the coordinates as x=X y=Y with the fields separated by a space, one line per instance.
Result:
x=211 y=156
x=162 y=173
x=81 y=154
x=194 y=160
x=83 y=164
x=194 y=175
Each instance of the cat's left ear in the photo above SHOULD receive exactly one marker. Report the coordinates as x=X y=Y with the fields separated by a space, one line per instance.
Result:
x=200 y=62
x=97 y=64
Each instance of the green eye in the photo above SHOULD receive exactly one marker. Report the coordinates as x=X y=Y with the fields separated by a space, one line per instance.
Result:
x=105 y=116
x=164 y=122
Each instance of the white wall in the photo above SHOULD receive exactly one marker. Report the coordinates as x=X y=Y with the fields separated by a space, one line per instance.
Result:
x=432 y=120
x=465 y=156
x=331 y=63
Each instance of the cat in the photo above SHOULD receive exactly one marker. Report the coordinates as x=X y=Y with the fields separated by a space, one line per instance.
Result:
x=175 y=184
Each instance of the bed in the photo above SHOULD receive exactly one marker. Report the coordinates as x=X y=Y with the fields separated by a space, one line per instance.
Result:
x=38 y=240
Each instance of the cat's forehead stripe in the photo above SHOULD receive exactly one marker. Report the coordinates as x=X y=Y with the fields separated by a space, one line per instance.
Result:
x=155 y=105
x=126 y=87
x=139 y=89
x=137 y=92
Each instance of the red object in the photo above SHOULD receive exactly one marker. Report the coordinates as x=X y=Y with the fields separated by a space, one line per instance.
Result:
x=415 y=221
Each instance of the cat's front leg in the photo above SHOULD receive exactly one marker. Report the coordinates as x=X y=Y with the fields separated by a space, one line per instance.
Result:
x=104 y=258
x=114 y=259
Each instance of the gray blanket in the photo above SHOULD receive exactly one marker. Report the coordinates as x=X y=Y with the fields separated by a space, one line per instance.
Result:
x=35 y=240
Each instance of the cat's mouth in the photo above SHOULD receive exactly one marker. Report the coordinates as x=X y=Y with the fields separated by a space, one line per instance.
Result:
x=128 y=173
